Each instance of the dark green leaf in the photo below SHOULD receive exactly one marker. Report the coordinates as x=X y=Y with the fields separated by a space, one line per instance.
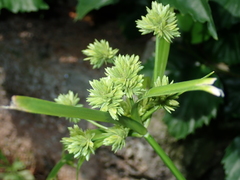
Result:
x=226 y=49
x=223 y=18
x=185 y=22
x=198 y=9
x=196 y=30
x=232 y=6
x=85 y=6
x=232 y=100
x=196 y=109
x=23 y=5
x=231 y=160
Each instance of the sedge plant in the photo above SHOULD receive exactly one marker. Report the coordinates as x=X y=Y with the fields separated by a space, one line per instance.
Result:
x=124 y=98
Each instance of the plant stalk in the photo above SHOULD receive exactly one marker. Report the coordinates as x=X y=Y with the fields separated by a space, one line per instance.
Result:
x=164 y=157
x=161 y=57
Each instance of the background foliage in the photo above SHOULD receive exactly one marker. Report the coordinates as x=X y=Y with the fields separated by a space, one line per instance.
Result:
x=23 y=5
x=210 y=40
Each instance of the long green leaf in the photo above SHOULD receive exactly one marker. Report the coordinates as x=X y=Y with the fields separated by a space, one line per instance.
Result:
x=192 y=85
x=39 y=106
x=226 y=49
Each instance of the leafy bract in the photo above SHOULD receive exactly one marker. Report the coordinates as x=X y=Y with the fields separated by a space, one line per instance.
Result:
x=204 y=84
x=23 y=5
x=39 y=106
x=198 y=9
x=231 y=160
x=85 y=6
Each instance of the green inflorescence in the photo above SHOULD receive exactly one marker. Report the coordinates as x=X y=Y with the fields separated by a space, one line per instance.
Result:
x=161 y=20
x=99 y=53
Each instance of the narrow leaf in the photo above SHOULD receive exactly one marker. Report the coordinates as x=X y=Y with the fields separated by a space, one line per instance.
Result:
x=181 y=87
x=39 y=106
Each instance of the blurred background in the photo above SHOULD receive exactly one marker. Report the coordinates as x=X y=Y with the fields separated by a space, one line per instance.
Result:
x=40 y=56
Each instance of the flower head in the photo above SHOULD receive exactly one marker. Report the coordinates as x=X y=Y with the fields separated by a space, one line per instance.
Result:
x=106 y=96
x=162 y=82
x=79 y=143
x=99 y=53
x=116 y=137
x=125 y=74
x=71 y=100
x=160 y=20
x=168 y=102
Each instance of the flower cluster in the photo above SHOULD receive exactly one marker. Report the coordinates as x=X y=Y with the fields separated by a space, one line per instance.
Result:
x=71 y=100
x=106 y=96
x=168 y=102
x=99 y=53
x=122 y=80
x=125 y=74
x=161 y=20
x=115 y=137
x=83 y=143
x=122 y=92
x=79 y=143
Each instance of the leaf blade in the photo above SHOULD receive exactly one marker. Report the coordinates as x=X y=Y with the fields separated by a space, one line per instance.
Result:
x=39 y=106
x=181 y=87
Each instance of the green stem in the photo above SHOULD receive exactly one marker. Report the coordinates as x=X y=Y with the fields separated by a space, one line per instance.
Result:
x=161 y=57
x=164 y=157
x=65 y=158
x=149 y=113
x=79 y=164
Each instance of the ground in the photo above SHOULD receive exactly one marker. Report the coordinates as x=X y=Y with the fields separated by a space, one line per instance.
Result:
x=42 y=58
